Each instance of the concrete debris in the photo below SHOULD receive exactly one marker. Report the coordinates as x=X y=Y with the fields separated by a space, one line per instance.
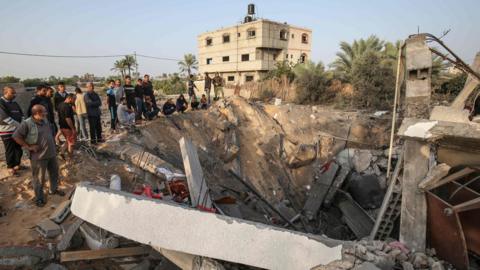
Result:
x=231 y=153
x=55 y=266
x=68 y=234
x=434 y=175
x=319 y=190
x=367 y=266
x=356 y=218
x=97 y=239
x=304 y=155
x=48 y=228
x=61 y=212
x=124 y=213
x=361 y=160
x=202 y=263
x=24 y=256
x=366 y=191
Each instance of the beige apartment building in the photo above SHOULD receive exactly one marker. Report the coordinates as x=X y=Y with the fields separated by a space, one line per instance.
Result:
x=247 y=51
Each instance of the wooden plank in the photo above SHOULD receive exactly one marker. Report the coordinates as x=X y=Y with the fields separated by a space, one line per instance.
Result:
x=413 y=229
x=68 y=256
x=197 y=185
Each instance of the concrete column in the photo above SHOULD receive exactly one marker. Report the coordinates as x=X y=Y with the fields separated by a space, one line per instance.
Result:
x=418 y=91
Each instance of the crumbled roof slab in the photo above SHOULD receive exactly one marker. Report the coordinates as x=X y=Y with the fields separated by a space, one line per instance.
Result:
x=174 y=227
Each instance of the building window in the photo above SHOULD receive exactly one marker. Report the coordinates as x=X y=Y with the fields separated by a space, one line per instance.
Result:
x=286 y=56
x=305 y=38
x=238 y=34
x=245 y=57
x=226 y=59
x=226 y=38
x=293 y=36
x=303 y=58
x=231 y=78
x=209 y=61
x=208 y=41
x=283 y=35
x=251 y=33
x=249 y=78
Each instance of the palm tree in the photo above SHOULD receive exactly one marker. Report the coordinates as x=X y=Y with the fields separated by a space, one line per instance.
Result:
x=188 y=63
x=350 y=52
x=119 y=66
x=130 y=63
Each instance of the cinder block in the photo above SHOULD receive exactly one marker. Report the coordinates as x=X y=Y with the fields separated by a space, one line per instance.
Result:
x=48 y=228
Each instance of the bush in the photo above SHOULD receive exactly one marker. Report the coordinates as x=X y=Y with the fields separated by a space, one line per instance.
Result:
x=312 y=83
x=373 y=82
x=454 y=85
x=171 y=86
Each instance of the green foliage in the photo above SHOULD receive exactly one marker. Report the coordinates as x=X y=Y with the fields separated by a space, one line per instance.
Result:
x=373 y=81
x=454 y=85
x=350 y=52
x=312 y=82
x=9 y=79
x=171 y=85
x=33 y=82
x=188 y=64
x=124 y=65
x=282 y=69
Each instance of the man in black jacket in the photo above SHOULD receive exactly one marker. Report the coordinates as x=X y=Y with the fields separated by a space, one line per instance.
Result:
x=10 y=118
x=129 y=93
x=148 y=90
x=59 y=96
x=41 y=97
x=93 y=103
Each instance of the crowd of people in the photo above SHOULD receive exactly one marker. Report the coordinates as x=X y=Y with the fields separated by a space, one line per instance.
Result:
x=52 y=115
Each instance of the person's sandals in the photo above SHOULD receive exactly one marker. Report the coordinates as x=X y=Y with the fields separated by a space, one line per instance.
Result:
x=57 y=192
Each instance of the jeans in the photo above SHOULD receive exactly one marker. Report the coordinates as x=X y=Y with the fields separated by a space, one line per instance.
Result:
x=140 y=108
x=113 y=116
x=13 y=152
x=80 y=124
x=39 y=171
x=95 y=129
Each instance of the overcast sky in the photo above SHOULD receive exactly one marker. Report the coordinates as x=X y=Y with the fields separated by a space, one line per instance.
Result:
x=169 y=28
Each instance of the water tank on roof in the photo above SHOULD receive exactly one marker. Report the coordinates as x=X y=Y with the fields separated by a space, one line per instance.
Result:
x=248 y=19
x=251 y=9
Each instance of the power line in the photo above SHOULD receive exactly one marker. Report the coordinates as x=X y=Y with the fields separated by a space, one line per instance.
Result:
x=86 y=56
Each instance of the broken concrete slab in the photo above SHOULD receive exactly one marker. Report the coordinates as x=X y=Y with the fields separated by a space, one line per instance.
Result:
x=61 y=212
x=361 y=160
x=262 y=246
x=68 y=235
x=26 y=256
x=142 y=158
x=48 y=228
x=356 y=218
x=337 y=183
x=197 y=185
x=434 y=175
x=319 y=190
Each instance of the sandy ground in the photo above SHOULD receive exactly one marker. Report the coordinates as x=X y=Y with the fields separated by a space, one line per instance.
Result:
x=20 y=215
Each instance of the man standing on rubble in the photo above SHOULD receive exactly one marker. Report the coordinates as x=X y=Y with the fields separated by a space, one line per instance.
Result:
x=218 y=86
x=148 y=91
x=208 y=86
x=59 y=96
x=10 y=118
x=41 y=97
x=35 y=135
x=129 y=92
x=93 y=103
x=67 y=124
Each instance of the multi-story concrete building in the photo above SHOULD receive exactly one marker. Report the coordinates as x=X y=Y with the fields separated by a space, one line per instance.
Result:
x=246 y=51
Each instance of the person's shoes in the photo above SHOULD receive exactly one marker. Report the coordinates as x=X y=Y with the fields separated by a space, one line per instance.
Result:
x=57 y=192
x=19 y=168
x=12 y=172
x=40 y=203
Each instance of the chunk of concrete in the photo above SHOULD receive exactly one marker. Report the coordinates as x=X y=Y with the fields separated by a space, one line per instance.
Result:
x=212 y=235
x=319 y=190
x=61 y=212
x=434 y=175
x=48 y=228
x=367 y=266
x=68 y=235
x=361 y=160
x=305 y=154
x=55 y=266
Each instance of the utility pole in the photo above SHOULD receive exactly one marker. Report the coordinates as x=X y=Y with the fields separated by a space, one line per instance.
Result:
x=136 y=65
